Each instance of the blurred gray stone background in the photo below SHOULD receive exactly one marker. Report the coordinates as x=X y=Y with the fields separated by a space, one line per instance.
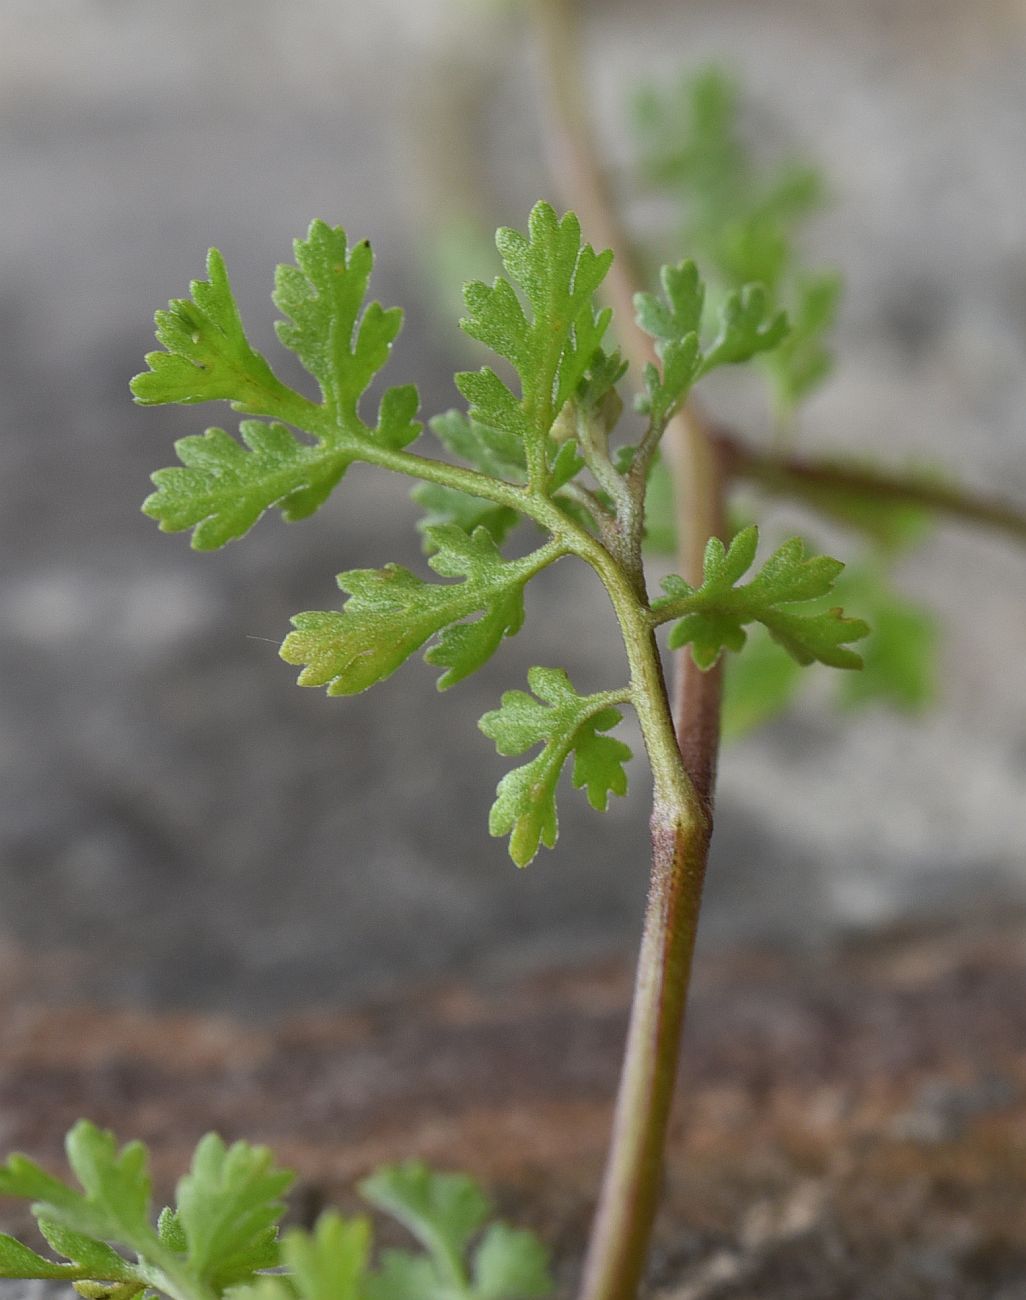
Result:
x=178 y=824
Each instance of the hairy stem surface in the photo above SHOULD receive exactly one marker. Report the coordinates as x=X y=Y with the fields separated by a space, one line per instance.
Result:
x=681 y=827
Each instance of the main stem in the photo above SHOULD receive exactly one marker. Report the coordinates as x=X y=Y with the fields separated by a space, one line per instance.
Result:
x=681 y=827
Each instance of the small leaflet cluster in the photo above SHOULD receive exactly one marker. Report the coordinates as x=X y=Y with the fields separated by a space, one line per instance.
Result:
x=745 y=221
x=224 y=486
x=221 y=1236
x=563 y=723
x=747 y=326
x=712 y=618
x=534 y=444
x=391 y=612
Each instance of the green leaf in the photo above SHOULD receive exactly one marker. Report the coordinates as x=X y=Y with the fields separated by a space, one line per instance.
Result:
x=511 y=1265
x=228 y=1208
x=330 y=1262
x=497 y=454
x=802 y=360
x=93 y=1258
x=742 y=220
x=691 y=143
x=564 y=723
x=322 y=297
x=666 y=391
x=225 y=486
x=491 y=452
x=391 y=613
x=116 y=1204
x=405 y=1276
x=443 y=1211
x=448 y=506
x=22 y=1177
x=899 y=657
x=748 y=324
x=171 y=1232
x=207 y=353
x=674 y=321
x=19 y=1261
x=551 y=351
x=712 y=617
x=396 y=428
x=900 y=654
x=759 y=685
x=679 y=312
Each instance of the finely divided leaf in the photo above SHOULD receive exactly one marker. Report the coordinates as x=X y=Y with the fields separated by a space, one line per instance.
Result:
x=224 y=1231
x=322 y=296
x=330 y=1262
x=666 y=391
x=117 y=1188
x=748 y=324
x=497 y=454
x=225 y=486
x=490 y=451
x=448 y=506
x=564 y=723
x=405 y=1276
x=391 y=613
x=443 y=1211
x=18 y=1261
x=714 y=614
x=759 y=685
x=225 y=1224
x=22 y=1177
x=900 y=667
x=742 y=221
x=511 y=1264
x=116 y=1204
x=228 y=1208
x=803 y=361
x=552 y=350
x=208 y=355
x=71 y=1223
x=93 y=1258
x=679 y=311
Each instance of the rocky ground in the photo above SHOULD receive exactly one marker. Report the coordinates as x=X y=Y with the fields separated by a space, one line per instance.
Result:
x=848 y=1126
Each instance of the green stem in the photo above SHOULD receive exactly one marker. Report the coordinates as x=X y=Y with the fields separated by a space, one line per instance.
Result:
x=462 y=480
x=683 y=762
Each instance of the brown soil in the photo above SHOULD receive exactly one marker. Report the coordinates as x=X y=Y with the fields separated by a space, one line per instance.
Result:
x=852 y=1125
